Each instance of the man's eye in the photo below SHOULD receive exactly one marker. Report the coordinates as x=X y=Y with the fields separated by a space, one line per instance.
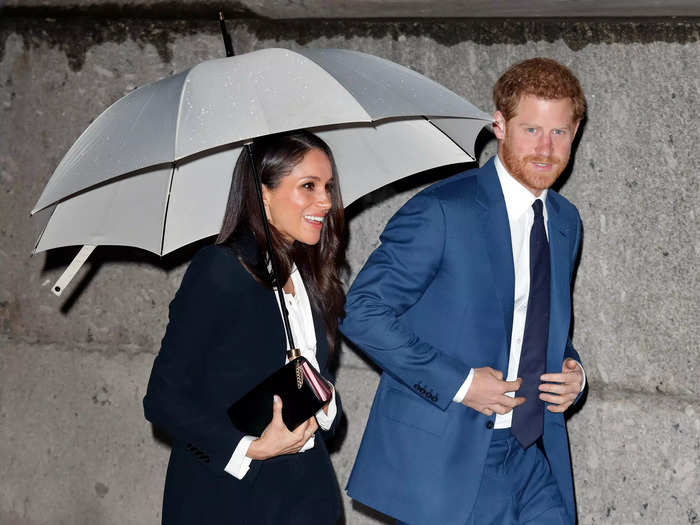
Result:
x=531 y=130
x=558 y=131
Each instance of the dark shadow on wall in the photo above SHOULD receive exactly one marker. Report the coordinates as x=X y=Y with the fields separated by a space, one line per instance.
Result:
x=416 y=180
x=558 y=185
x=106 y=256
x=76 y=30
x=374 y=515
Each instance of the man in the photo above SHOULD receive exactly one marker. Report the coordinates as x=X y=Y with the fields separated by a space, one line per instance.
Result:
x=471 y=285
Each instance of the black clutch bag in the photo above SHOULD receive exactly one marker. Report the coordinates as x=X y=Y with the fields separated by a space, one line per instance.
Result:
x=302 y=389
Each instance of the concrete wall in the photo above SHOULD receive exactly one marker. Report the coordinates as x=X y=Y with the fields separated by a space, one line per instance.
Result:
x=74 y=447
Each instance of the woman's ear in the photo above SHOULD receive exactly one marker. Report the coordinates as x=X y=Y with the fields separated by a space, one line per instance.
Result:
x=266 y=200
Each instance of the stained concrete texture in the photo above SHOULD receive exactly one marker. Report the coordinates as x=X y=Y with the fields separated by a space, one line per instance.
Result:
x=286 y=9
x=75 y=446
x=73 y=443
x=636 y=458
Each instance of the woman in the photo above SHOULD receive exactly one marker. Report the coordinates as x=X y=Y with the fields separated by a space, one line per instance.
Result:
x=225 y=335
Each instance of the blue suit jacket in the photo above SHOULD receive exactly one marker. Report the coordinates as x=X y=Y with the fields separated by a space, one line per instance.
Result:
x=432 y=302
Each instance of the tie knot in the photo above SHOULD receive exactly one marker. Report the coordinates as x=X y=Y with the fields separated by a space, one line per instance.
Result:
x=537 y=206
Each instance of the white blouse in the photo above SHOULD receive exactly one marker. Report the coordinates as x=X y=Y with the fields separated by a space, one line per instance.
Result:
x=301 y=322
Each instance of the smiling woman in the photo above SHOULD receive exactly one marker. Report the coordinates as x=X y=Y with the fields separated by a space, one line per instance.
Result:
x=298 y=205
x=305 y=209
x=225 y=335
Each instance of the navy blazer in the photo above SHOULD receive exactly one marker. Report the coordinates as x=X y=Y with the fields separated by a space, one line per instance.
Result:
x=432 y=302
x=224 y=336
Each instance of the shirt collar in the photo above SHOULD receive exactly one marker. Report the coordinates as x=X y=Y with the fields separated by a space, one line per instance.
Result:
x=518 y=198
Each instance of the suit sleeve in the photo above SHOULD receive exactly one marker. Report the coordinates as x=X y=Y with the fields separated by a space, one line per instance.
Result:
x=173 y=403
x=393 y=279
x=570 y=351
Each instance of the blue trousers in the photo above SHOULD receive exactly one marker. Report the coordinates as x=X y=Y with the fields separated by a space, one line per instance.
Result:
x=517 y=487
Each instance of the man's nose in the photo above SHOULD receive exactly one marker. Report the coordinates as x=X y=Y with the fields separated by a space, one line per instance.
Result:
x=544 y=145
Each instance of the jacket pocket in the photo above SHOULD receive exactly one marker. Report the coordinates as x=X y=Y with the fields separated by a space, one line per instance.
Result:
x=409 y=409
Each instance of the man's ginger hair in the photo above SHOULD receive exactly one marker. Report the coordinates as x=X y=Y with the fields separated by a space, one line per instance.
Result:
x=541 y=77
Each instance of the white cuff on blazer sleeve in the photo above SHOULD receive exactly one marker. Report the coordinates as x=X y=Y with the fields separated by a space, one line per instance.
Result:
x=239 y=463
x=326 y=420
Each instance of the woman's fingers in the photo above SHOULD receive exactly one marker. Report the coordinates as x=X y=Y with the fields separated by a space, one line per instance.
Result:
x=277 y=439
x=277 y=410
x=311 y=428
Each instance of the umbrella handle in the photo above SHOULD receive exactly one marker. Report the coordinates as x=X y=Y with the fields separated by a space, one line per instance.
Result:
x=72 y=269
x=228 y=45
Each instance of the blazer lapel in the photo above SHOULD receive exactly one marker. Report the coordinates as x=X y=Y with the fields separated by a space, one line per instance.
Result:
x=560 y=297
x=496 y=231
x=321 y=341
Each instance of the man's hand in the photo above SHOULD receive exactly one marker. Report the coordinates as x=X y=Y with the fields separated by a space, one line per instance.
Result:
x=487 y=393
x=563 y=388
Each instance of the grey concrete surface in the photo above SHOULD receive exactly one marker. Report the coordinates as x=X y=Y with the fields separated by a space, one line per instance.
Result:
x=74 y=447
x=286 y=9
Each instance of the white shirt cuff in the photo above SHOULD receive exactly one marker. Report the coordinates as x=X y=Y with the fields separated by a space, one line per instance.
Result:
x=239 y=463
x=308 y=445
x=462 y=392
x=326 y=420
x=583 y=383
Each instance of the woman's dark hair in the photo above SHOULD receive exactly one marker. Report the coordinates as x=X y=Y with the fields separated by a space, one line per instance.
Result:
x=320 y=265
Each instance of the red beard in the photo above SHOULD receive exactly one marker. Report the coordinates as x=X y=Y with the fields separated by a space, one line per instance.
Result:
x=522 y=170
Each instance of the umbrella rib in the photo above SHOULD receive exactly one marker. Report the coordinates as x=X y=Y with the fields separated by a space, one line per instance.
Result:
x=179 y=114
x=43 y=230
x=332 y=77
x=451 y=139
x=167 y=206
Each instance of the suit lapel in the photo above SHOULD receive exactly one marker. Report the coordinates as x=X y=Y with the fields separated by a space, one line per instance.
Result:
x=560 y=298
x=496 y=232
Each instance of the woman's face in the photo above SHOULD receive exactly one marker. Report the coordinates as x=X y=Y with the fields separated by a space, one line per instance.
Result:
x=297 y=207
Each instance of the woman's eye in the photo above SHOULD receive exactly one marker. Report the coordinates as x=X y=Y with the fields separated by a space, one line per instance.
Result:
x=308 y=185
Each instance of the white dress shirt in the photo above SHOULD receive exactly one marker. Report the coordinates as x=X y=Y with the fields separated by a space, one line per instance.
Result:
x=301 y=322
x=521 y=216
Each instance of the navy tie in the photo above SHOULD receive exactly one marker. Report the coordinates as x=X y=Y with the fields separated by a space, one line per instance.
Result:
x=528 y=418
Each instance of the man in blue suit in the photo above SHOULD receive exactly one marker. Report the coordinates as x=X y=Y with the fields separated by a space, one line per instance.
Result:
x=466 y=307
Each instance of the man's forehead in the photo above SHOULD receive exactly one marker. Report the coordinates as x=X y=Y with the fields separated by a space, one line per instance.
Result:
x=532 y=103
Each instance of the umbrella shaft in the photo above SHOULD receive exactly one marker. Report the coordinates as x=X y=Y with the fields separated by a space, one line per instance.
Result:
x=268 y=239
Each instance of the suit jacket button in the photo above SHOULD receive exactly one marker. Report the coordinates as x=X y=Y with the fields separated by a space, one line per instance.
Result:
x=489 y=424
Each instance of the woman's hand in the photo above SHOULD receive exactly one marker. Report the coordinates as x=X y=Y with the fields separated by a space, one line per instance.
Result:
x=277 y=440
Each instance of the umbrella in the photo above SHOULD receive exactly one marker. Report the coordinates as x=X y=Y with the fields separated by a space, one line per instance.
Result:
x=153 y=170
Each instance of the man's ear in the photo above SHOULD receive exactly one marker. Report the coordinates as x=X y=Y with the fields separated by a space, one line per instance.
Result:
x=576 y=128
x=499 y=125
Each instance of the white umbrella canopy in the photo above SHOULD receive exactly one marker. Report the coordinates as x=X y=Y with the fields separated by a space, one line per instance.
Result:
x=228 y=100
x=165 y=208
x=154 y=170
